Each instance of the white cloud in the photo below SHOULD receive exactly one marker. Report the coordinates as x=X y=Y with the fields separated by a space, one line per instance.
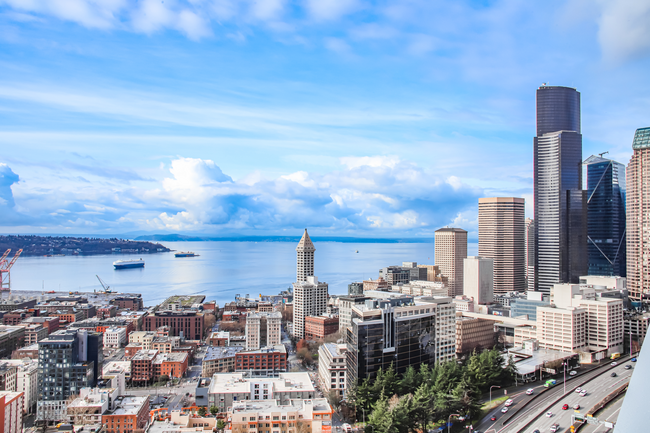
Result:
x=624 y=29
x=193 y=25
x=337 y=45
x=266 y=9
x=331 y=9
x=371 y=161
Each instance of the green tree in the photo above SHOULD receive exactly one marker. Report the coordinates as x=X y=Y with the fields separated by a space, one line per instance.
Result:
x=221 y=424
x=214 y=410
x=381 y=418
x=410 y=381
x=202 y=411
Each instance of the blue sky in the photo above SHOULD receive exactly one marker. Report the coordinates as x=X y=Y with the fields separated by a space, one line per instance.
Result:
x=350 y=117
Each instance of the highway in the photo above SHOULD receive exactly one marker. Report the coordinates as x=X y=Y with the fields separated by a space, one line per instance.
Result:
x=597 y=389
x=610 y=413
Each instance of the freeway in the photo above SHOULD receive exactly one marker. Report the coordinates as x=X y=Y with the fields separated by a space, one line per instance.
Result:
x=610 y=413
x=597 y=389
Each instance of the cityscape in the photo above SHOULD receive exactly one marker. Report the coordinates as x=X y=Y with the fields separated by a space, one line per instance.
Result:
x=324 y=216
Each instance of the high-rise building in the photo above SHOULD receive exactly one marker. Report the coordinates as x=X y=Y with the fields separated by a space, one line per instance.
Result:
x=478 y=279
x=638 y=208
x=305 y=260
x=450 y=251
x=263 y=329
x=560 y=202
x=530 y=254
x=606 y=216
x=68 y=360
x=11 y=411
x=502 y=237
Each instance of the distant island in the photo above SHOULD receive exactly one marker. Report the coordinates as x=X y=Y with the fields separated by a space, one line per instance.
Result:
x=56 y=245
x=185 y=238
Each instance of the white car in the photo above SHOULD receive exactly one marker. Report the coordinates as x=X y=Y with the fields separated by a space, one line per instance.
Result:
x=614 y=364
x=549 y=414
x=573 y=373
x=583 y=392
x=529 y=391
x=504 y=410
x=578 y=389
x=509 y=403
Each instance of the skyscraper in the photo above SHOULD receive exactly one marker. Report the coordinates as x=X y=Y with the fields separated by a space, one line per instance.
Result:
x=560 y=202
x=606 y=216
x=305 y=260
x=530 y=254
x=450 y=251
x=638 y=209
x=502 y=237
x=309 y=295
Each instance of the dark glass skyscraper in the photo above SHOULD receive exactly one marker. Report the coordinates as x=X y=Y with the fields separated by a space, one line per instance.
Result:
x=560 y=202
x=606 y=216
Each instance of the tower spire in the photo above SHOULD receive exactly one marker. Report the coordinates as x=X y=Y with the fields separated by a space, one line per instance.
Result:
x=305 y=258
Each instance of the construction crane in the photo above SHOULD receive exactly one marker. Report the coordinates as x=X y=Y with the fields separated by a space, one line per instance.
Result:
x=5 y=268
x=104 y=285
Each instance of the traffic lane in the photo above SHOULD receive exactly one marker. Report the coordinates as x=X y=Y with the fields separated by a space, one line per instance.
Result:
x=518 y=399
x=597 y=389
x=609 y=414
x=540 y=404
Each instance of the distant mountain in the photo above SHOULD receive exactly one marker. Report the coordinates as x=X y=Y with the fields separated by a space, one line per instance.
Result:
x=184 y=238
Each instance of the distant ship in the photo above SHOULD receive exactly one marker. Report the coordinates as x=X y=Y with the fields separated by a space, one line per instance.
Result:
x=186 y=254
x=124 y=264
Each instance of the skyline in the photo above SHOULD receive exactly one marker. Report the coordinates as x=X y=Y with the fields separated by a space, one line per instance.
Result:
x=350 y=118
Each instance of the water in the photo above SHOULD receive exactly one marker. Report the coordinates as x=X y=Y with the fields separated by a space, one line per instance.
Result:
x=222 y=270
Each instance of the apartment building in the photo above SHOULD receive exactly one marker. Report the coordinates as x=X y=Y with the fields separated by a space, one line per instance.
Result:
x=130 y=414
x=11 y=411
x=332 y=367
x=142 y=367
x=34 y=333
x=318 y=327
x=345 y=311
x=188 y=324
x=295 y=416
x=266 y=361
x=219 y=360
x=450 y=251
x=263 y=329
x=473 y=334
x=172 y=365
x=309 y=299
x=25 y=380
x=115 y=337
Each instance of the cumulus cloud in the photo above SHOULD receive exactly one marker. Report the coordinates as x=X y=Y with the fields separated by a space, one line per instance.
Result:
x=331 y=9
x=624 y=30
x=7 y=179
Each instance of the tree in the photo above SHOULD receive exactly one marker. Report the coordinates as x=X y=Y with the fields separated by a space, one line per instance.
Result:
x=334 y=399
x=209 y=320
x=221 y=424
x=214 y=410
x=163 y=379
x=302 y=344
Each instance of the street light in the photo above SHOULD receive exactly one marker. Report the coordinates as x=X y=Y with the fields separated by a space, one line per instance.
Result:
x=449 y=421
x=493 y=386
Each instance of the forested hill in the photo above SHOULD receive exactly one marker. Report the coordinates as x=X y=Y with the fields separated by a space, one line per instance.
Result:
x=50 y=245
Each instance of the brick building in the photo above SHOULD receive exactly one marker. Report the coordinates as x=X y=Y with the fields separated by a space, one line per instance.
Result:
x=18 y=316
x=187 y=323
x=473 y=333
x=129 y=414
x=133 y=303
x=107 y=311
x=265 y=361
x=142 y=367
x=49 y=322
x=172 y=365
x=318 y=327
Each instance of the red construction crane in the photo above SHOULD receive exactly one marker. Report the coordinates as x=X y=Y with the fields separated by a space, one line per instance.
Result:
x=5 y=268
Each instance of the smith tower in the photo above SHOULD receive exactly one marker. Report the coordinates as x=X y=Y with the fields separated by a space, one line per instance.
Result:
x=305 y=258
x=560 y=202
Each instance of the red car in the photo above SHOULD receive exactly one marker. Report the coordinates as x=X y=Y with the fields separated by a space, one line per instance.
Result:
x=494 y=418
x=565 y=407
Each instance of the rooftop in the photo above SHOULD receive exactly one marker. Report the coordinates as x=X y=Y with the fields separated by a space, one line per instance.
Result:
x=170 y=357
x=128 y=405
x=213 y=353
x=144 y=355
x=268 y=349
x=272 y=406
x=528 y=362
x=237 y=383
x=183 y=300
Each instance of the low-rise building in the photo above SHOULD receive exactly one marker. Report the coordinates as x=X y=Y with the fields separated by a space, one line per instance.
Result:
x=142 y=367
x=473 y=334
x=133 y=303
x=296 y=416
x=15 y=304
x=34 y=333
x=115 y=337
x=172 y=365
x=30 y=352
x=107 y=311
x=11 y=411
x=262 y=362
x=129 y=414
x=165 y=344
x=11 y=338
x=25 y=381
x=378 y=284
x=332 y=367
x=226 y=388
x=131 y=349
x=145 y=338
x=319 y=327
x=219 y=339
x=219 y=360
x=119 y=372
x=88 y=408
x=49 y=322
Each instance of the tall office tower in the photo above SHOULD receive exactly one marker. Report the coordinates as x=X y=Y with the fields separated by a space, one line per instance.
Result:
x=638 y=209
x=502 y=237
x=68 y=360
x=560 y=202
x=478 y=279
x=530 y=253
x=309 y=299
x=305 y=263
x=606 y=216
x=263 y=330
x=450 y=251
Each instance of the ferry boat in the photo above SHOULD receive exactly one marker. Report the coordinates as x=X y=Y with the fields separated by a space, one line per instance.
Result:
x=124 y=264
x=186 y=254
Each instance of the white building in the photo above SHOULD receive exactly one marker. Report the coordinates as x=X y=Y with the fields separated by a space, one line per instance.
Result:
x=142 y=337
x=332 y=367
x=309 y=299
x=115 y=337
x=313 y=415
x=562 y=329
x=88 y=408
x=263 y=329
x=478 y=279
x=25 y=380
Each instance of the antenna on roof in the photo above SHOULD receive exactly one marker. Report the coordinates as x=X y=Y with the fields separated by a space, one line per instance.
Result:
x=601 y=154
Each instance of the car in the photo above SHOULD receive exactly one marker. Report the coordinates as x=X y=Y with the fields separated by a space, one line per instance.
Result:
x=509 y=402
x=578 y=389
x=529 y=391
x=633 y=359
x=576 y=407
x=493 y=418
x=583 y=392
x=614 y=364
x=536 y=431
x=555 y=427
x=549 y=414
x=504 y=410
x=573 y=373
x=613 y=374
x=628 y=366
x=565 y=406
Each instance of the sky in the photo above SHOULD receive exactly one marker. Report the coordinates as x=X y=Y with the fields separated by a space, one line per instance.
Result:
x=263 y=117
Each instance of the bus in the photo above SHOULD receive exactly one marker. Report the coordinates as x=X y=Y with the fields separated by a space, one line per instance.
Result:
x=615 y=355
x=550 y=383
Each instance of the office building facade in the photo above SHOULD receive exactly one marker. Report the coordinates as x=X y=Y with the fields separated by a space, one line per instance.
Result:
x=638 y=225
x=606 y=216
x=560 y=202
x=530 y=253
x=263 y=329
x=450 y=251
x=478 y=279
x=502 y=237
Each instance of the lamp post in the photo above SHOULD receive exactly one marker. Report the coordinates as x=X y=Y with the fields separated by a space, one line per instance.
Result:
x=493 y=386
x=449 y=421
x=564 y=364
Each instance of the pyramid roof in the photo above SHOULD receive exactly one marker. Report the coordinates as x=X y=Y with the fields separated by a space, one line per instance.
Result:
x=305 y=243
